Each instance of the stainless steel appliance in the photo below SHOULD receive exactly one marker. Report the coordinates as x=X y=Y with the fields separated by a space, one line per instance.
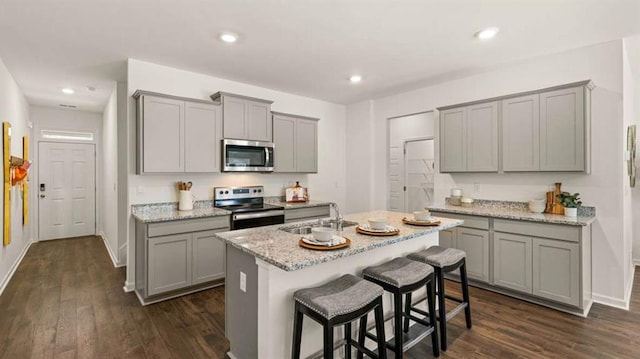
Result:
x=247 y=156
x=247 y=206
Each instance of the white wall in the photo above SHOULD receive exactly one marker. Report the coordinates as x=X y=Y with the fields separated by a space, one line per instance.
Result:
x=328 y=184
x=359 y=146
x=15 y=110
x=602 y=189
x=108 y=228
x=62 y=119
x=632 y=116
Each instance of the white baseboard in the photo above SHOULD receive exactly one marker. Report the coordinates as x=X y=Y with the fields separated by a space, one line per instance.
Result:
x=610 y=301
x=15 y=265
x=129 y=287
x=111 y=254
x=636 y=262
x=230 y=355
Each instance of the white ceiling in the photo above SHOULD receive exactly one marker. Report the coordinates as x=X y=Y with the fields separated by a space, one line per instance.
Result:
x=306 y=47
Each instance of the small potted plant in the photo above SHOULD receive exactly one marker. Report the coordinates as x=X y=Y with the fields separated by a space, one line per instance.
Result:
x=571 y=202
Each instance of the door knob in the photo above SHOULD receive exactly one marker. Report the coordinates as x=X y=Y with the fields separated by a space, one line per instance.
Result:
x=42 y=196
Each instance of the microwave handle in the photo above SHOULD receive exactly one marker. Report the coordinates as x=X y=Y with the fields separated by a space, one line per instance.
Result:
x=266 y=153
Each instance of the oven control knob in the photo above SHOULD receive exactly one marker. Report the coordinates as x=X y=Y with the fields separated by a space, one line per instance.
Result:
x=220 y=192
x=226 y=192
x=255 y=190
x=259 y=190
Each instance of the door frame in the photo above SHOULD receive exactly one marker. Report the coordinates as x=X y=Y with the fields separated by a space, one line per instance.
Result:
x=404 y=163
x=35 y=187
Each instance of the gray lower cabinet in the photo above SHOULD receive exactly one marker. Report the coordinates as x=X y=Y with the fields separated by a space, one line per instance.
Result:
x=296 y=143
x=178 y=256
x=512 y=262
x=177 y=135
x=475 y=243
x=447 y=238
x=556 y=270
x=306 y=213
x=245 y=118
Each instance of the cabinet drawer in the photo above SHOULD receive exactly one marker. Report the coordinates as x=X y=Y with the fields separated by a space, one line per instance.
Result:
x=469 y=221
x=555 y=231
x=303 y=213
x=187 y=225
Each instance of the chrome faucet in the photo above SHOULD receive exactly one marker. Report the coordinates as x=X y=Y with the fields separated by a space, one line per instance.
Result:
x=338 y=219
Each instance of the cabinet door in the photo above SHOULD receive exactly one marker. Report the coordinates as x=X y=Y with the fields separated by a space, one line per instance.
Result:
x=169 y=263
x=556 y=270
x=447 y=238
x=202 y=137
x=512 y=261
x=475 y=243
x=162 y=132
x=562 y=130
x=306 y=146
x=452 y=140
x=234 y=116
x=482 y=137
x=259 y=125
x=208 y=257
x=521 y=133
x=284 y=133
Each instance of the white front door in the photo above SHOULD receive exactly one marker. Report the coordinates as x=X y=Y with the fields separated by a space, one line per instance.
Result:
x=419 y=176
x=66 y=190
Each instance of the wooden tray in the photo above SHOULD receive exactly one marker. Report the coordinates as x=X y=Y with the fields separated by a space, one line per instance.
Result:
x=303 y=244
x=381 y=234
x=417 y=223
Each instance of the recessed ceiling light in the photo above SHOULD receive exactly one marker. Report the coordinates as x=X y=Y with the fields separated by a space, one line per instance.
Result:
x=68 y=91
x=229 y=37
x=487 y=33
x=355 y=79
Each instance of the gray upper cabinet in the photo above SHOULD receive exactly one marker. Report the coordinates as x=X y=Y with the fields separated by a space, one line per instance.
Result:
x=521 y=133
x=177 y=135
x=482 y=137
x=542 y=130
x=203 y=133
x=296 y=143
x=452 y=140
x=245 y=118
x=469 y=138
x=562 y=130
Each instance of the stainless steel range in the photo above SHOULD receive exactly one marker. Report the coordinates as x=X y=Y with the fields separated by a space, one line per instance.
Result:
x=247 y=206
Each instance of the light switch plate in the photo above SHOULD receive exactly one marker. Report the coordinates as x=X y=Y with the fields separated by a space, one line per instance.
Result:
x=243 y=282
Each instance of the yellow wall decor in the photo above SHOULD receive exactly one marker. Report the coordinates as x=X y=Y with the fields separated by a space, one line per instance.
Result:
x=6 y=155
x=25 y=188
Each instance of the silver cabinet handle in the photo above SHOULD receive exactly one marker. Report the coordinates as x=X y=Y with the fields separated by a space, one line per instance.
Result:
x=42 y=196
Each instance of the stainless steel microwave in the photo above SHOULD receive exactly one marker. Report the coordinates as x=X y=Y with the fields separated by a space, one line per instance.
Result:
x=247 y=156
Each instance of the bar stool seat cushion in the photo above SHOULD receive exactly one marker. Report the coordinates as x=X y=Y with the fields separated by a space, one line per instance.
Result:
x=341 y=296
x=399 y=272
x=438 y=256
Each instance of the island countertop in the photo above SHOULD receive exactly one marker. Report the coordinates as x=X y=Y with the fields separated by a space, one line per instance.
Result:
x=282 y=250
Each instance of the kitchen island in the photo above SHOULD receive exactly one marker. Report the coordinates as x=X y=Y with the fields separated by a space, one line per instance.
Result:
x=265 y=266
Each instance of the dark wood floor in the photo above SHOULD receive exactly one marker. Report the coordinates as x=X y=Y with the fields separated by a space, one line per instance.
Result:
x=66 y=301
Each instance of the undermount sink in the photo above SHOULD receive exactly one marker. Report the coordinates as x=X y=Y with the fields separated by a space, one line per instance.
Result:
x=306 y=229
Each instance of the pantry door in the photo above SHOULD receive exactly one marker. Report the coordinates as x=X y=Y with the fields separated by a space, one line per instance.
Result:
x=419 y=164
x=66 y=190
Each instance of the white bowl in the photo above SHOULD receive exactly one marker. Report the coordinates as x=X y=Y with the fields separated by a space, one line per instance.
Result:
x=422 y=215
x=539 y=201
x=377 y=223
x=322 y=234
x=536 y=208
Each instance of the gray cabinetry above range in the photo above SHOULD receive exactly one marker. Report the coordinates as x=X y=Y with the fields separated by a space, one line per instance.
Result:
x=296 y=143
x=245 y=118
x=176 y=134
x=542 y=130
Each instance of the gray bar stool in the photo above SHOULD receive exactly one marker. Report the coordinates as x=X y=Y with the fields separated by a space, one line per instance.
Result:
x=446 y=260
x=338 y=302
x=402 y=276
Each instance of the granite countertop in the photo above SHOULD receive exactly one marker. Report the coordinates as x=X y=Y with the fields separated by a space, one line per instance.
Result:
x=518 y=211
x=163 y=212
x=281 y=248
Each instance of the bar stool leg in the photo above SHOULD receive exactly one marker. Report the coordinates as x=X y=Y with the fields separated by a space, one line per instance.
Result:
x=297 y=332
x=382 y=343
x=407 y=311
x=361 y=335
x=465 y=293
x=397 y=327
x=347 y=337
x=328 y=342
x=441 y=308
x=431 y=304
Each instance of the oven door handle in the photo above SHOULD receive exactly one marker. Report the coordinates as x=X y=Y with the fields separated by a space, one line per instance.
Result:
x=242 y=216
